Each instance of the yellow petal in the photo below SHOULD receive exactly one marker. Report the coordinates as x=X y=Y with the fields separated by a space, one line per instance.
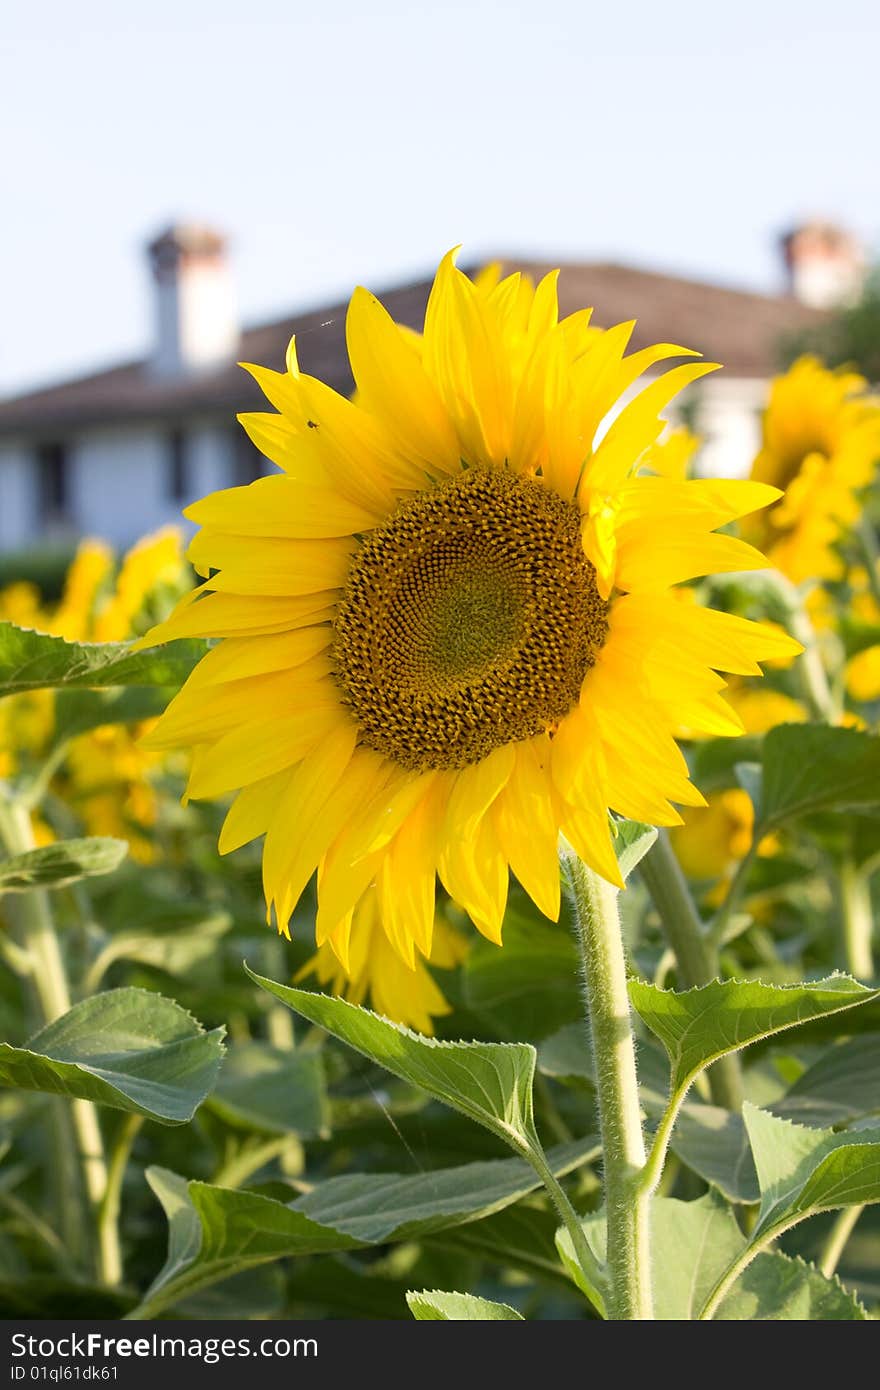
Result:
x=393 y=385
x=239 y=657
x=262 y=566
x=638 y=426
x=279 y=506
x=474 y=873
x=319 y=794
x=259 y=748
x=227 y=615
x=251 y=812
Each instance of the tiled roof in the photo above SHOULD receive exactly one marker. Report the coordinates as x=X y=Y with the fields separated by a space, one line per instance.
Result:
x=739 y=329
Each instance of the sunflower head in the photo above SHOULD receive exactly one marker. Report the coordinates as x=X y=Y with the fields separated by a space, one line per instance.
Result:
x=448 y=627
x=821 y=443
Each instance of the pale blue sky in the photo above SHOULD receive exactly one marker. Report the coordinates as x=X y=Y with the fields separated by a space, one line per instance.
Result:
x=339 y=142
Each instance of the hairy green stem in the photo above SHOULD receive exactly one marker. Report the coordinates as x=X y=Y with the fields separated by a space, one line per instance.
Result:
x=627 y=1205
x=590 y=1267
x=858 y=920
x=49 y=983
x=697 y=956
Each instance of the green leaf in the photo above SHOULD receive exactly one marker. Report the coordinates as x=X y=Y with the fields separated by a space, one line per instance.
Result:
x=632 y=840
x=60 y=864
x=528 y=989
x=694 y=1246
x=842 y=1086
x=435 y=1306
x=128 y=1049
x=713 y=1143
x=715 y=759
x=812 y=767
x=215 y=1232
x=567 y=1055
x=700 y=1025
x=802 y=1171
x=491 y=1083
x=35 y=661
x=78 y=711
x=174 y=941
x=776 y=1287
x=373 y=1208
x=272 y=1090
x=521 y=1236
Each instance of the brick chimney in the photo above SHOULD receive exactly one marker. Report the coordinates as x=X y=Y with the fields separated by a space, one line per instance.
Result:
x=196 y=322
x=826 y=265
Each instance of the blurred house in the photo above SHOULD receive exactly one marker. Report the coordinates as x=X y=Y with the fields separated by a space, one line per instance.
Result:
x=120 y=452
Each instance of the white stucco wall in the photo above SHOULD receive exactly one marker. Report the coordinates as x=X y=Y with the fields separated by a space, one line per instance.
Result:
x=18 y=506
x=117 y=483
x=728 y=417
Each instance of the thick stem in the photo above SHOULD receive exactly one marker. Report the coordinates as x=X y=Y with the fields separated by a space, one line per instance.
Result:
x=49 y=982
x=838 y=1236
x=858 y=921
x=627 y=1207
x=108 y=1211
x=697 y=957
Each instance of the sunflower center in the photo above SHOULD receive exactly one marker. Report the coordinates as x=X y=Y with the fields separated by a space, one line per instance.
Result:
x=469 y=620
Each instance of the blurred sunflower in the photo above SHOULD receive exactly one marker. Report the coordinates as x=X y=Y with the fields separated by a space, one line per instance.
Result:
x=378 y=971
x=449 y=629
x=821 y=444
x=105 y=776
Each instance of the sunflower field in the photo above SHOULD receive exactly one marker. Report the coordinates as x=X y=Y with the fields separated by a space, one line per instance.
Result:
x=444 y=889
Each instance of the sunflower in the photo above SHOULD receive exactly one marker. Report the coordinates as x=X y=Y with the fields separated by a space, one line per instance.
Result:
x=106 y=774
x=821 y=442
x=714 y=837
x=377 y=970
x=448 y=626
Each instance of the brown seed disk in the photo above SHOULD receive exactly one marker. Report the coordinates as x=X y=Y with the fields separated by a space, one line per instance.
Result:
x=469 y=620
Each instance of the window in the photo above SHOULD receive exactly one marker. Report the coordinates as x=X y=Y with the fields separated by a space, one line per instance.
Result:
x=53 y=499
x=247 y=461
x=178 y=472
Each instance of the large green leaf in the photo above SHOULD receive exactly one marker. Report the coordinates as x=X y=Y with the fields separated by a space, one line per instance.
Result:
x=60 y=864
x=802 y=1171
x=215 y=1232
x=841 y=1086
x=35 y=661
x=273 y=1090
x=695 y=1245
x=528 y=989
x=77 y=711
x=713 y=1143
x=373 y=1207
x=436 y=1306
x=813 y=767
x=489 y=1082
x=700 y=1025
x=777 y=1288
x=521 y=1236
x=128 y=1049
